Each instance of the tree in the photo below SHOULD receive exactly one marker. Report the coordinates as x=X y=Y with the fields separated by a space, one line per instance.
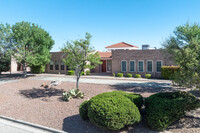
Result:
x=80 y=55
x=184 y=46
x=31 y=46
x=5 y=45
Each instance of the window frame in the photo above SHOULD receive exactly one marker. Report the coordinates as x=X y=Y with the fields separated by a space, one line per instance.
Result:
x=147 y=66
x=160 y=66
x=139 y=67
x=130 y=65
x=62 y=65
x=57 y=64
x=121 y=65
x=51 y=64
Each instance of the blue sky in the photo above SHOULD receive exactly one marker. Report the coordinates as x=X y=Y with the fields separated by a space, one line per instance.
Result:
x=109 y=21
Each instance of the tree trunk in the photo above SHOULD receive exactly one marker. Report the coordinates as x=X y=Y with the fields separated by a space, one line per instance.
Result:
x=77 y=82
x=24 y=70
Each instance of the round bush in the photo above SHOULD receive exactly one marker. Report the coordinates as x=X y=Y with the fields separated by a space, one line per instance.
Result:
x=83 y=110
x=119 y=74
x=162 y=109
x=82 y=73
x=87 y=72
x=112 y=111
x=137 y=75
x=70 y=72
x=148 y=76
x=129 y=75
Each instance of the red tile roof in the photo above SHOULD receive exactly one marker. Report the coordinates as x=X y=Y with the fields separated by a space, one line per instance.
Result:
x=105 y=54
x=121 y=45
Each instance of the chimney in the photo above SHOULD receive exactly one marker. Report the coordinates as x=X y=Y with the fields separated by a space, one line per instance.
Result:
x=145 y=47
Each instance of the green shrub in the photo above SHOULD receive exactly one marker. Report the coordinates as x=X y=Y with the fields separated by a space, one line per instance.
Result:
x=148 y=76
x=167 y=72
x=112 y=111
x=129 y=75
x=119 y=74
x=162 y=109
x=70 y=72
x=87 y=72
x=38 y=69
x=137 y=75
x=82 y=73
x=113 y=74
x=83 y=110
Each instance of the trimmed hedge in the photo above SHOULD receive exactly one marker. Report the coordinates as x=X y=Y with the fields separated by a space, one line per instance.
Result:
x=87 y=72
x=83 y=110
x=162 y=109
x=138 y=76
x=167 y=72
x=113 y=74
x=129 y=75
x=148 y=76
x=82 y=73
x=71 y=72
x=112 y=110
x=120 y=75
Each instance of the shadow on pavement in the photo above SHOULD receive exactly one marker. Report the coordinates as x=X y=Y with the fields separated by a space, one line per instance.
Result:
x=148 y=87
x=74 y=124
x=38 y=92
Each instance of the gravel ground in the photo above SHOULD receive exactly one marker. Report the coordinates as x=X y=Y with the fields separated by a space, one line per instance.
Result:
x=25 y=100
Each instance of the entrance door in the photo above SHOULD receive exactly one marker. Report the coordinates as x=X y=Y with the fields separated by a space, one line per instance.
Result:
x=104 y=66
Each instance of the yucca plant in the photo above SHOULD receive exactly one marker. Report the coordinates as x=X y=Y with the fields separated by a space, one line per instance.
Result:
x=73 y=93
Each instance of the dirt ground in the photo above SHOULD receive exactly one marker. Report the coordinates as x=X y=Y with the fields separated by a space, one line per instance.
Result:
x=26 y=100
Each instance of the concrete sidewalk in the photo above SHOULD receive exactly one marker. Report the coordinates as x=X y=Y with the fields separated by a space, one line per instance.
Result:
x=9 y=125
x=126 y=82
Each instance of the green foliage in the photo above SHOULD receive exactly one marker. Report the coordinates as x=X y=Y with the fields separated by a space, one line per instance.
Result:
x=82 y=73
x=79 y=52
x=87 y=72
x=148 y=76
x=184 y=47
x=162 y=109
x=83 y=110
x=119 y=74
x=70 y=72
x=38 y=69
x=168 y=72
x=113 y=74
x=29 y=43
x=112 y=111
x=137 y=76
x=129 y=75
x=4 y=62
x=5 y=47
x=73 y=93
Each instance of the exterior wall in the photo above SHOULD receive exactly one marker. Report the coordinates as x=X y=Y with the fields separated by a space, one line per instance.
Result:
x=13 y=65
x=56 y=57
x=136 y=55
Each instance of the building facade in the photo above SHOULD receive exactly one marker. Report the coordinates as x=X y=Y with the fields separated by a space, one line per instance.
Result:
x=119 y=58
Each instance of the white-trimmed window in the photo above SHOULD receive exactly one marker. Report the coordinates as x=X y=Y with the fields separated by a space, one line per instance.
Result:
x=149 y=66
x=132 y=66
x=62 y=66
x=158 y=65
x=140 y=66
x=51 y=65
x=123 y=65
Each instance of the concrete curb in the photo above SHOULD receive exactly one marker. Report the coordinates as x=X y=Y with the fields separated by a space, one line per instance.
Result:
x=36 y=126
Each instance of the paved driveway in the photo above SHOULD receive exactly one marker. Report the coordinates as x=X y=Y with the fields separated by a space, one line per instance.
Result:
x=131 y=82
x=3 y=81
